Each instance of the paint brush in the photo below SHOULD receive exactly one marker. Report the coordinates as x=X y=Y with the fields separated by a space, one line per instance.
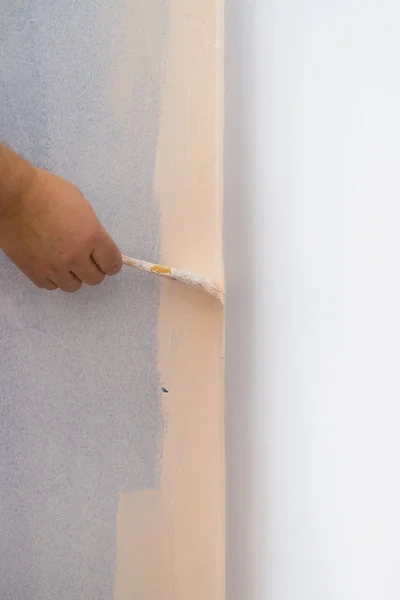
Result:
x=208 y=286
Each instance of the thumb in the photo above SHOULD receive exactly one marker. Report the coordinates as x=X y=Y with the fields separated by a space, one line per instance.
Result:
x=107 y=255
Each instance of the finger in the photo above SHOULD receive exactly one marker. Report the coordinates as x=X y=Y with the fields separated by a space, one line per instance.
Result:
x=107 y=255
x=48 y=284
x=44 y=284
x=67 y=282
x=89 y=273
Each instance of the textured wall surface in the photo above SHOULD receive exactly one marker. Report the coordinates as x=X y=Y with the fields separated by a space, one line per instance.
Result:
x=80 y=417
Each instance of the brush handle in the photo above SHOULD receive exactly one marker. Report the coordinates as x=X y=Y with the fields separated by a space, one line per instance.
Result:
x=207 y=285
x=142 y=265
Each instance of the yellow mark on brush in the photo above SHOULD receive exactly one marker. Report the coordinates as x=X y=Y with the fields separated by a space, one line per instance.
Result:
x=161 y=270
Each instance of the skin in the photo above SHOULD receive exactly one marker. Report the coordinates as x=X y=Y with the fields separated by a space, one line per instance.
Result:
x=49 y=230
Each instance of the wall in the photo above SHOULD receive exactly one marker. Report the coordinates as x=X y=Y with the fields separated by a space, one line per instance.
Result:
x=106 y=488
x=176 y=533
x=312 y=253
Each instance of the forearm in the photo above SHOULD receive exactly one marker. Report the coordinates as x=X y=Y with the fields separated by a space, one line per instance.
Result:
x=16 y=175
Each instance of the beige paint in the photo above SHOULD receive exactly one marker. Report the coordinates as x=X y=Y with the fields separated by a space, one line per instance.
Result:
x=171 y=541
x=144 y=561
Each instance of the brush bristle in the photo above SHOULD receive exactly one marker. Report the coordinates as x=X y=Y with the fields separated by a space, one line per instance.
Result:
x=212 y=288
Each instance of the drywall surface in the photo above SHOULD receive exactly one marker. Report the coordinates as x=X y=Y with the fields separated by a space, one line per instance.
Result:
x=312 y=266
x=80 y=396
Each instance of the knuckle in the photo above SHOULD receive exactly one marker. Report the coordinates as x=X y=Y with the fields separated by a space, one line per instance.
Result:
x=92 y=237
x=45 y=285
x=97 y=280
x=50 y=273
x=70 y=288
x=114 y=266
x=74 y=256
x=78 y=252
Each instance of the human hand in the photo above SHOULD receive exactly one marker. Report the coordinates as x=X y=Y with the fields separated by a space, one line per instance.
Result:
x=52 y=234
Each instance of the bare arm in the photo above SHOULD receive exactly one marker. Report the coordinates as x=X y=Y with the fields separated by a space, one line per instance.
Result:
x=49 y=230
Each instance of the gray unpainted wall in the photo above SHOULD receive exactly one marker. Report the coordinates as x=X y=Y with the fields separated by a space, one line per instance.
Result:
x=80 y=416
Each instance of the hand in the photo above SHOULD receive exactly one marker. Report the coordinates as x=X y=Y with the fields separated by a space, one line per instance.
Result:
x=52 y=234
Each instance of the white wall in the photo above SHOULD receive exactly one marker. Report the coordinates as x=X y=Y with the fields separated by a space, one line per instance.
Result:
x=313 y=328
